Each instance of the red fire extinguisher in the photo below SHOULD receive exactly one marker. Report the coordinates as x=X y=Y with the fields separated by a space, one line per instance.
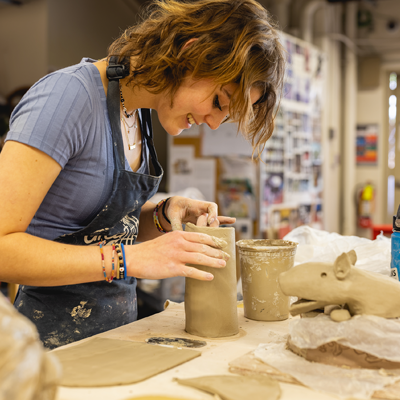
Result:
x=365 y=205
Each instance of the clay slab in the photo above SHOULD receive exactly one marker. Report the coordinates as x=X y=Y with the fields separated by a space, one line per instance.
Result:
x=109 y=362
x=236 y=387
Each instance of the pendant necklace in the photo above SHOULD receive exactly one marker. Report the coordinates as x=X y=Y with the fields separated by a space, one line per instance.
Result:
x=128 y=127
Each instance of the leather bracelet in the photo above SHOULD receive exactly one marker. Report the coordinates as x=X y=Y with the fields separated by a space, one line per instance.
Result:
x=163 y=210
x=155 y=217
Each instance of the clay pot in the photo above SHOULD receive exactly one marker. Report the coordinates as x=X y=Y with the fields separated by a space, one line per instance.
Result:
x=261 y=262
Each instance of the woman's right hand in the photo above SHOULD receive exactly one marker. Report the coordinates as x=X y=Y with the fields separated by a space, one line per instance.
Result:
x=167 y=256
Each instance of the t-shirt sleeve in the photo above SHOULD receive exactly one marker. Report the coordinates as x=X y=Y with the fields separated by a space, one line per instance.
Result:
x=53 y=117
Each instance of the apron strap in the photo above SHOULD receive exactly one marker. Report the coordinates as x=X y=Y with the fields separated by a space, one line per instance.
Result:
x=116 y=71
x=146 y=120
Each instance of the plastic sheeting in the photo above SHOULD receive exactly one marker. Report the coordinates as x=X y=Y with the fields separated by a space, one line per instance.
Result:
x=374 y=335
x=341 y=382
x=377 y=336
x=27 y=371
x=317 y=245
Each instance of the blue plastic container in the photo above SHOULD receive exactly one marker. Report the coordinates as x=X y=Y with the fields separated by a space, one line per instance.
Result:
x=395 y=264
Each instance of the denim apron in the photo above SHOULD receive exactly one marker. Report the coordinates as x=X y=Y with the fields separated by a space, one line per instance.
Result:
x=65 y=314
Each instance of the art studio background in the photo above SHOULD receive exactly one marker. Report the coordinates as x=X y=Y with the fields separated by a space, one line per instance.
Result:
x=332 y=162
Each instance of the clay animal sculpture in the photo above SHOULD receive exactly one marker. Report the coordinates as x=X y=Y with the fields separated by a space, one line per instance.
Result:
x=324 y=284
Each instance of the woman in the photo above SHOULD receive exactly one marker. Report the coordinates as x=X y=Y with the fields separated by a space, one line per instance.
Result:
x=74 y=171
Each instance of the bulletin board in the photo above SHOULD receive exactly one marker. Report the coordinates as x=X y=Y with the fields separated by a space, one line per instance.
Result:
x=219 y=164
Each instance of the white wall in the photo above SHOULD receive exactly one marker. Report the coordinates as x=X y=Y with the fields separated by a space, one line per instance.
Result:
x=326 y=21
x=331 y=138
x=23 y=34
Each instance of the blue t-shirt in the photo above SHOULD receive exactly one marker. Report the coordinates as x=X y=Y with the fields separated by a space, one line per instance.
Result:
x=65 y=115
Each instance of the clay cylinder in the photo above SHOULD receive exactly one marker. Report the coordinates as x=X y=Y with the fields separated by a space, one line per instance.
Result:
x=211 y=306
x=261 y=262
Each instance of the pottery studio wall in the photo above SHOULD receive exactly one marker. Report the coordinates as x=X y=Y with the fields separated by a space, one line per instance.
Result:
x=360 y=42
x=42 y=35
x=352 y=38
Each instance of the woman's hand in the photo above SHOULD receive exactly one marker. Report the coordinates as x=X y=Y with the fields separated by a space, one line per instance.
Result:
x=167 y=256
x=180 y=210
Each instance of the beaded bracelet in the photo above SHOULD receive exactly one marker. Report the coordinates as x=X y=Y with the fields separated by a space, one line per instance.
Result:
x=103 y=265
x=123 y=256
x=113 y=263
x=121 y=267
x=155 y=216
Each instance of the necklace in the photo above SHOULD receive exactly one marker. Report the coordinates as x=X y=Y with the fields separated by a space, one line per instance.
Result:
x=127 y=115
x=127 y=129
x=125 y=122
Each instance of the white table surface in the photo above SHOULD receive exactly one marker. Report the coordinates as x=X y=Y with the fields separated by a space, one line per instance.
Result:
x=214 y=360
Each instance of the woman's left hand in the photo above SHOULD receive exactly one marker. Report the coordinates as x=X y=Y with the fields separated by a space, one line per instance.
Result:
x=181 y=210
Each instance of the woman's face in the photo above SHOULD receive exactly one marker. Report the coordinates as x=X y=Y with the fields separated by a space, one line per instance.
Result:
x=197 y=102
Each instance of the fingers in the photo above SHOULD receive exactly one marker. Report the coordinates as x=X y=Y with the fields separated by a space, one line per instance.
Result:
x=191 y=272
x=215 y=224
x=209 y=240
x=178 y=254
x=202 y=220
x=212 y=214
x=202 y=249
x=202 y=213
x=204 y=260
x=226 y=220
x=176 y=223
x=207 y=251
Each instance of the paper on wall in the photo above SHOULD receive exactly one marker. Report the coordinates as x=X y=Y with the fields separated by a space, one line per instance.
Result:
x=187 y=171
x=181 y=159
x=204 y=175
x=224 y=141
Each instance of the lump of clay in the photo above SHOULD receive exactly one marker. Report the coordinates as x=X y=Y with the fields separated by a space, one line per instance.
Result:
x=27 y=371
x=364 y=341
x=340 y=283
x=334 y=353
x=340 y=315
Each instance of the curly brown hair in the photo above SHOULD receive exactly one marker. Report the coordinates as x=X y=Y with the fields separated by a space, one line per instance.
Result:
x=237 y=42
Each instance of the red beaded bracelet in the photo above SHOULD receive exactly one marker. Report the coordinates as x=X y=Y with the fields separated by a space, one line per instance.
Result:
x=103 y=265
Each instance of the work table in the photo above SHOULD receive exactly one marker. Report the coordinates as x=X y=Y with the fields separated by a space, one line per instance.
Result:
x=215 y=358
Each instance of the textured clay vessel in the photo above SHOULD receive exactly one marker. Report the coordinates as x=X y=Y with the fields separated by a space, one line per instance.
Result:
x=261 y=262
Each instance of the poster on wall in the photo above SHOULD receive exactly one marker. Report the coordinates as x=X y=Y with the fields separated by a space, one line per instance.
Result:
x=367 y=144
